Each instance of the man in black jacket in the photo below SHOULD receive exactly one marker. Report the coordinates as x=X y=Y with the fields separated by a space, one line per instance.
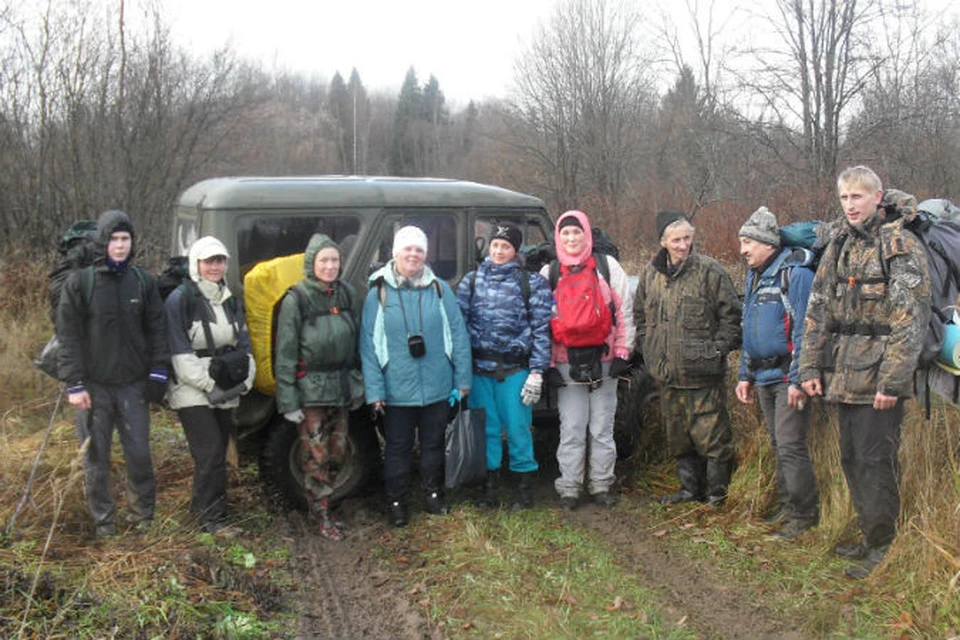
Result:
x=113 y=356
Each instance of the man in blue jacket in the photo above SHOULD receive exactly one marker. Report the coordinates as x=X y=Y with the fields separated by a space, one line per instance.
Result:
x=774 y=305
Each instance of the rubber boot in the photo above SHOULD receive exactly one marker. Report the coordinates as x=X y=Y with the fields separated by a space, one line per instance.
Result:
x=718 y=479
x=691 y=481
x=490 y=499
x=329 y=528
x=524 y=491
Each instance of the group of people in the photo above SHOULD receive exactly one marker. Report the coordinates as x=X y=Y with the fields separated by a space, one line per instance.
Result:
x=414 y=348
x=851 y=331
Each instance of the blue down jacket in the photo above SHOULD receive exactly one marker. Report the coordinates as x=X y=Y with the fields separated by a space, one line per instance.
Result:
x=500 y=321
x=772 y=335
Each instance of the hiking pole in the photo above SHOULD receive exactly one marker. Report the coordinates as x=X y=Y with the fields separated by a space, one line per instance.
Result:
x=36 y=463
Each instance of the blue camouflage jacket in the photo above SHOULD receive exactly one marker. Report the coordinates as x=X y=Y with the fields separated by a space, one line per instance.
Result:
x=500 y=321
x=772 y=332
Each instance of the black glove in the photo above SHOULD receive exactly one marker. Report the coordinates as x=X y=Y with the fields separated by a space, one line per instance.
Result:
x=156 y=386
x=155 y=391
x=552 y=378
x=618 y=367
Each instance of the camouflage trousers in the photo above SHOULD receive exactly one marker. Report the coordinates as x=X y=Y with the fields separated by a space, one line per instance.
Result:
x=697 y=422
x=323 y=442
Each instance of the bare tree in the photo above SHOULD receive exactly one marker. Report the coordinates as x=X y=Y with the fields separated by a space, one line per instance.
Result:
x=581 y=97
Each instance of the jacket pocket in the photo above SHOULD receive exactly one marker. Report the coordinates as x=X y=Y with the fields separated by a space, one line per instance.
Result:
x=700 y=358
x=694 y=314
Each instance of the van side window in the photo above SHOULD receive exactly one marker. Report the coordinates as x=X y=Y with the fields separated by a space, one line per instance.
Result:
x=442 y=246
x=262 y=237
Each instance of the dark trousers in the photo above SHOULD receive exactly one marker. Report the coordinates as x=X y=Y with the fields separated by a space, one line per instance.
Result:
x=796 y=482
x=401 y=424
x=208 y=433
x=122 y=407
x=869 y=446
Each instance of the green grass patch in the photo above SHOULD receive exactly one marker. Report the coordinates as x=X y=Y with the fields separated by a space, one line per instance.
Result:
x=525 y=575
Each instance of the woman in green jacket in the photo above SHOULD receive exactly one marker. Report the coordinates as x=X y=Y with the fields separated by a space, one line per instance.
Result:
x=317 y=369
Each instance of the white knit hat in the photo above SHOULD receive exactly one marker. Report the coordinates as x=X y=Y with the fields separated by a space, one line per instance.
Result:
x=409 y=237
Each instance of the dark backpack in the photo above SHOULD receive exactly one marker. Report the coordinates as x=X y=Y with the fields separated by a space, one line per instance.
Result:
x=176 y=273
x=77 y=249
x=581 y=317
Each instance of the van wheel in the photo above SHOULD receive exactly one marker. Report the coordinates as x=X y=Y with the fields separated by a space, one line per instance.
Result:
x=280 y=464
x=635 y=394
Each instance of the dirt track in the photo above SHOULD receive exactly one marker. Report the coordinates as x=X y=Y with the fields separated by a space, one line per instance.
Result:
x=346 y=595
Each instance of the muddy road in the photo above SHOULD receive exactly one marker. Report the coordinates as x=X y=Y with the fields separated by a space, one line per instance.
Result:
x=345 y=594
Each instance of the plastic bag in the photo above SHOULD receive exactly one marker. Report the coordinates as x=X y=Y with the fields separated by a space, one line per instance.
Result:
x=466 y=448
x=47 y=358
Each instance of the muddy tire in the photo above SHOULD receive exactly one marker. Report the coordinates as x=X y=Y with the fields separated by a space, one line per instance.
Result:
x=280 y=464
x=635 y=391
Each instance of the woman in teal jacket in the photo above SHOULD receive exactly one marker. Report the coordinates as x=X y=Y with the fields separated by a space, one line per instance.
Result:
x=317 y=369
x=416 y=357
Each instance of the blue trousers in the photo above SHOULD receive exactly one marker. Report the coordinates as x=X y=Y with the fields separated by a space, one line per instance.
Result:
x=505 y=412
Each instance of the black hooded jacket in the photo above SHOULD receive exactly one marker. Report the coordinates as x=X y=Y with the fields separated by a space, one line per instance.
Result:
x=110 y=321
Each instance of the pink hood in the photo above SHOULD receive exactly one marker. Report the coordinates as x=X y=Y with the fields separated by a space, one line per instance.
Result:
x=564 y=257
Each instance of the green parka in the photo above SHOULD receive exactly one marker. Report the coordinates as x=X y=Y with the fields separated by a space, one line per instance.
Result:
x=317 y=361
x=688 y=320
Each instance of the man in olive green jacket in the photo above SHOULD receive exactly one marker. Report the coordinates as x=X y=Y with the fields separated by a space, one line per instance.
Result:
x=865 y=324
x=688 y=319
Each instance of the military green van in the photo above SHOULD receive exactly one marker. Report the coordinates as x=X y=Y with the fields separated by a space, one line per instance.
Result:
x=260 y=218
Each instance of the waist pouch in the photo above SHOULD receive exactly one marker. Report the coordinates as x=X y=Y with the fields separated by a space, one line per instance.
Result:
x=229 y=369
x=585 y=363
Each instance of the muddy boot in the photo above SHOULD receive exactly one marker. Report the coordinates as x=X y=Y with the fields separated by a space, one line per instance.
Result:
x=688 y=471
x=329 y=528
x=489 y=499
x=524 y=491
x=718 y=479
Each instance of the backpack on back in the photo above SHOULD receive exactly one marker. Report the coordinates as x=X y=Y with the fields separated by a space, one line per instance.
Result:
x=935 y=224
x=581 y=317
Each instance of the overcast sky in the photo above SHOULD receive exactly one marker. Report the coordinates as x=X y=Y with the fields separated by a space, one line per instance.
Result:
x=469 y=45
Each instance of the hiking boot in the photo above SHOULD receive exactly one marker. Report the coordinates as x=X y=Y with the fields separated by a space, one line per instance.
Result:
x=792 y=529
x=717 y=501
x=856 y=551
x=524 y=492
x=865 y=567
x=329 y=528
x=490 y=498
x=680 y=497
x=397 y=514
x=605 y=499
x=107 y=530
x=568 y=503
x=434 y=504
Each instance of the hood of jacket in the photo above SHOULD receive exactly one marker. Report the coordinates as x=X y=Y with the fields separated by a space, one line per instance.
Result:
x=564 y=257
x=108 y=223
x=318 y=242
x=205 y=247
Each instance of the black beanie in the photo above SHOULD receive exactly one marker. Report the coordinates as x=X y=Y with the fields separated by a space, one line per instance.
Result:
x=509 y=232
x=569 y=221
x=666 y=217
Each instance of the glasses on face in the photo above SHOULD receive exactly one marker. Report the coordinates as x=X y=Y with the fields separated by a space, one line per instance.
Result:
x=215 y=260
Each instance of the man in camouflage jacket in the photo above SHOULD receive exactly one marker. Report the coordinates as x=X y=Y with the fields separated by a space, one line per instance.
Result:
x=866 y=319
x=688 y=314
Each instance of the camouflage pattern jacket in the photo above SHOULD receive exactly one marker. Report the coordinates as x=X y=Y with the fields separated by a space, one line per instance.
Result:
x=868 y=312
x=687 y=320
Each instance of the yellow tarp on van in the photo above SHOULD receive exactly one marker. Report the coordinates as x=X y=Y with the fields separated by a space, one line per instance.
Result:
x=263 y=286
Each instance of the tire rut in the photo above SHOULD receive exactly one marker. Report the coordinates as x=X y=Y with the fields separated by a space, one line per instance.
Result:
x=690 y=590
x=342 y=592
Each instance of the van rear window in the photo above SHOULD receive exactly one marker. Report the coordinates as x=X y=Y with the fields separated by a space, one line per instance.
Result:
x=261 y=238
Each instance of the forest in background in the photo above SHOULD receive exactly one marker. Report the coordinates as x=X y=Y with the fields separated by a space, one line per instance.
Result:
x=611 y=111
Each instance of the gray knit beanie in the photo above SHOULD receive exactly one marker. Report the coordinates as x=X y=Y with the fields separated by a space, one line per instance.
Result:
x=762 y=227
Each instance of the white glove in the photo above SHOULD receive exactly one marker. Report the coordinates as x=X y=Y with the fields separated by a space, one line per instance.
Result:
x=296 y=416
x=531 y=389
